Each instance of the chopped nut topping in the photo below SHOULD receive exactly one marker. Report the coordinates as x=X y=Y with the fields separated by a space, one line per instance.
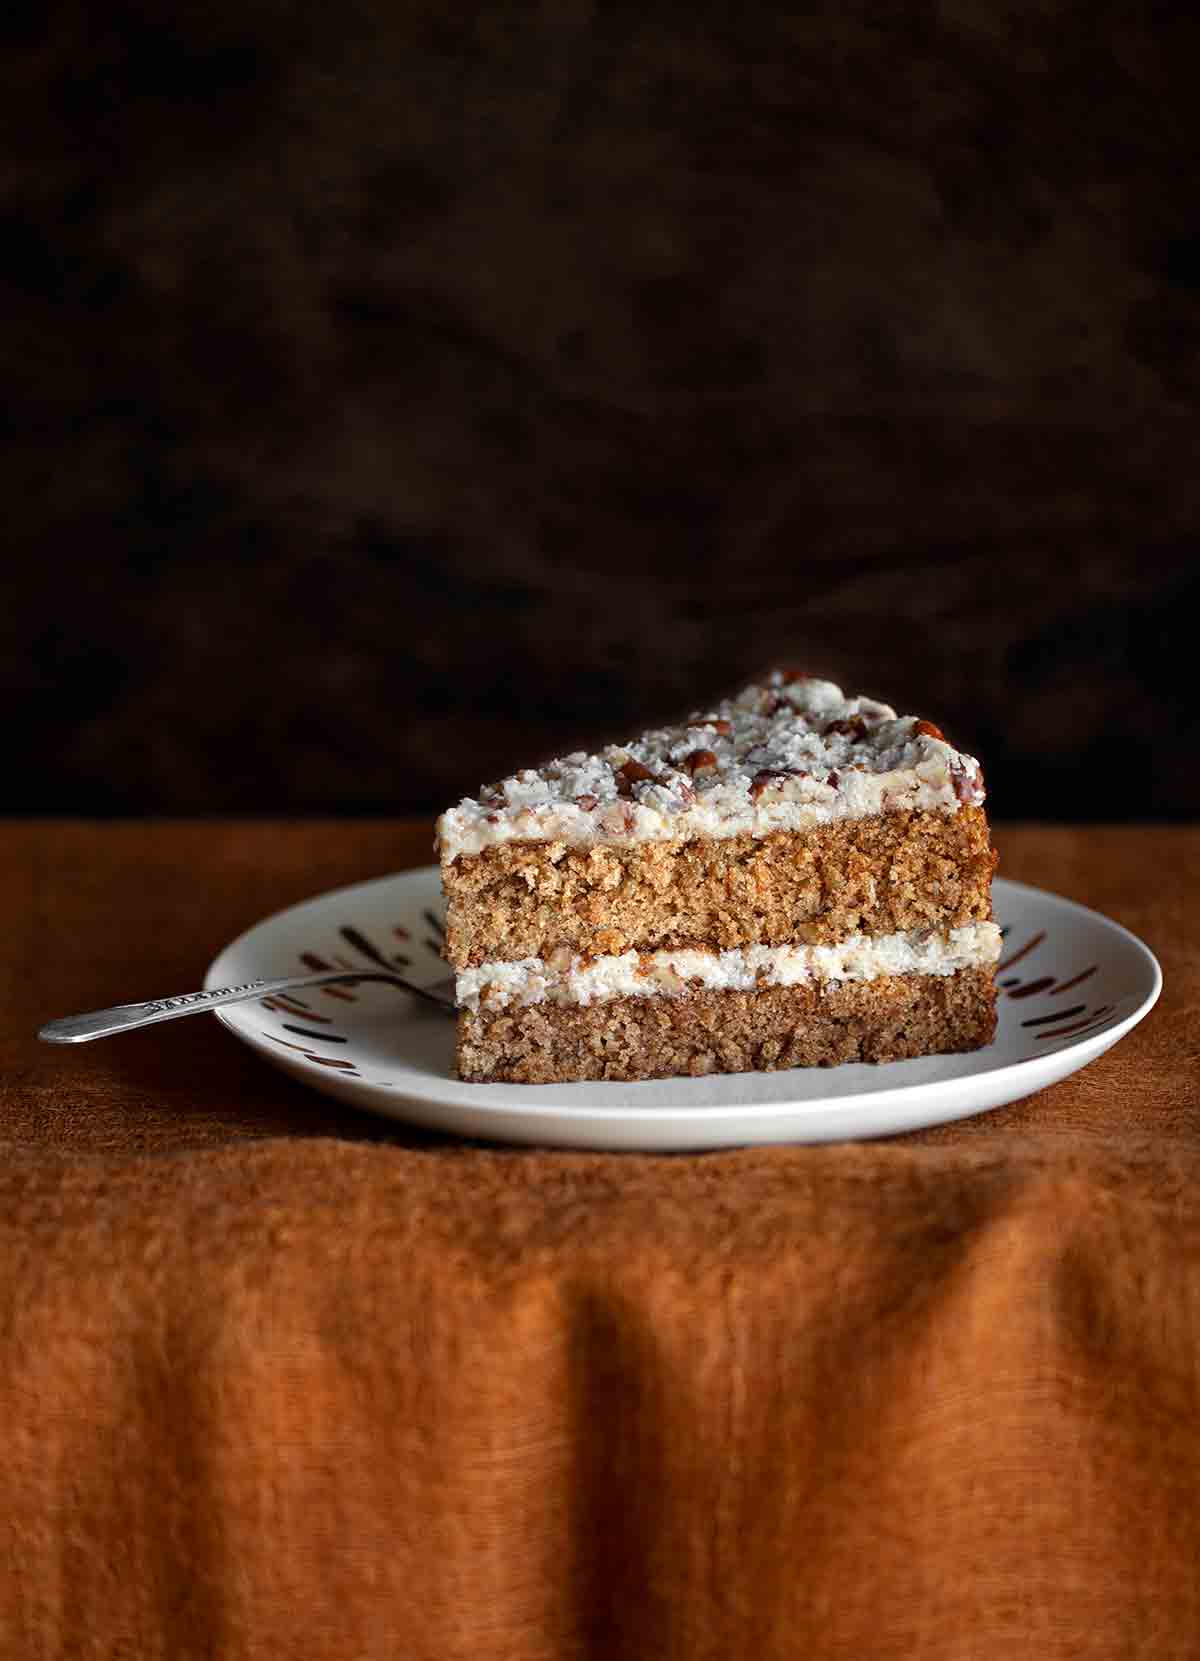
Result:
x=853 y=727
x=630 y=773
x=770 y=776
x=707 y=776
x=968 y=782
x=619 y=819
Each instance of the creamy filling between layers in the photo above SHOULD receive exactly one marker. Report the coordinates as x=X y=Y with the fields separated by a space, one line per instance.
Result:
x=574 y=979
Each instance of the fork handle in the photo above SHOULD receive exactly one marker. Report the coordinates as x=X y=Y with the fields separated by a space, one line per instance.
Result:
x=103 y=1023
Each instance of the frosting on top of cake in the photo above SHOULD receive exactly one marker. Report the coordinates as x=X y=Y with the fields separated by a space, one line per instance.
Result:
x=787 y=754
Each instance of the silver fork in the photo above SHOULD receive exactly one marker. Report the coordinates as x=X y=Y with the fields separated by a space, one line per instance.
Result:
x=102 y=1023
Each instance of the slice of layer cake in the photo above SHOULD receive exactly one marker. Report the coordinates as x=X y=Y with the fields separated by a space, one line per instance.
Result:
x=794 y=879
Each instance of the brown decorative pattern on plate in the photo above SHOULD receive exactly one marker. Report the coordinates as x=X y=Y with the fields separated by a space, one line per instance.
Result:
x=299 y=1017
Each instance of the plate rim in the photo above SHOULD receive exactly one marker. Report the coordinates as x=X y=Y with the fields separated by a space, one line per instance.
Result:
x=535 y=1104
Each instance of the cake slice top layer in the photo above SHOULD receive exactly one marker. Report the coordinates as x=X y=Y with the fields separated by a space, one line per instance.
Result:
x=788 y=753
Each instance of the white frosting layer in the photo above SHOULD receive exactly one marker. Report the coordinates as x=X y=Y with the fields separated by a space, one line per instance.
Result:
x=582 y=980
x=787 y=755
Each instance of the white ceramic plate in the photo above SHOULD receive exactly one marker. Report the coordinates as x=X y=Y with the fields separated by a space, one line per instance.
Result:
x=1071 y=984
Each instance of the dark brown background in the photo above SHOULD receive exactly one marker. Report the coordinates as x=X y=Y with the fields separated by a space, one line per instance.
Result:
x=398 y=392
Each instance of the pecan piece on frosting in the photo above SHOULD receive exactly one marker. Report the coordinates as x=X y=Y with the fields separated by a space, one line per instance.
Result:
x=853 y=727
x=767 y=777
x=698 y=759
x=789 y=677
x=619 y=819
x=968 y=783
x=632 y=772
x=926 y=729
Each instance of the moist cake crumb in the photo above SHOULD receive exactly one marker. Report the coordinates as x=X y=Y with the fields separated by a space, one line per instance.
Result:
x=790 y=826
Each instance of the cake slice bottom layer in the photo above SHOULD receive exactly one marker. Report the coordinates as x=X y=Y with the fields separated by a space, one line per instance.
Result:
x=888 y=1018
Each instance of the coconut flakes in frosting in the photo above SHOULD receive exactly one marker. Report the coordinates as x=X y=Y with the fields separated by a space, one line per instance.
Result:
x=787 y=754
x=583 y=980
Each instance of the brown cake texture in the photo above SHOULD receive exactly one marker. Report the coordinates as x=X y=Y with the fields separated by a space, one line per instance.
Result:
x=891 y=1018
x=867 y=876
x=814 y=890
